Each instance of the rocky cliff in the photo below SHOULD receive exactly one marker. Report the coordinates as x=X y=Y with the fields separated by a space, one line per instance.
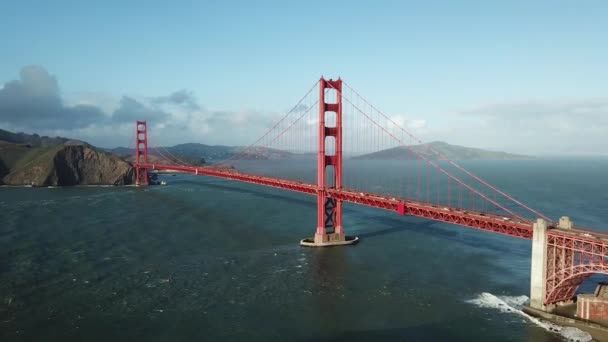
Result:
x=62 y=165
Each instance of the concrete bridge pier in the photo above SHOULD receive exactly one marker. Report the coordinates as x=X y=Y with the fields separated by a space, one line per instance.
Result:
x=538 y=269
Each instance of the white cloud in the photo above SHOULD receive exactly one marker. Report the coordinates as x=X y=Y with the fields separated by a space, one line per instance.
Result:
x=416 y=124
x=537 y=127
x=533 y=126
x=34 y=104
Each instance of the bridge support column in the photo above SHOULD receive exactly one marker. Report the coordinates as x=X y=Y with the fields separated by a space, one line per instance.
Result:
x=330 y=231
x=141 y=153
x=538 y=269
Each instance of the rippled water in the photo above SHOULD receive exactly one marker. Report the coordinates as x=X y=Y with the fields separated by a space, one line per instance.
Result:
x=211 y=260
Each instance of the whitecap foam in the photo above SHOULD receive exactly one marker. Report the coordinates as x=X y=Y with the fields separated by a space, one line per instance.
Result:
x=513 y=304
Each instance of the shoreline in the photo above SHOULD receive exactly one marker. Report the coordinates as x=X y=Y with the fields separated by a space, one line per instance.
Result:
x=597 y=331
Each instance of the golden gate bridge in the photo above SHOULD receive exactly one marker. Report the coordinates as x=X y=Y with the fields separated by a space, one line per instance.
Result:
x=338 y=121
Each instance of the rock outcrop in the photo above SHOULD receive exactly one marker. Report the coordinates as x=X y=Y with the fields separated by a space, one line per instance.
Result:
x=65 y=165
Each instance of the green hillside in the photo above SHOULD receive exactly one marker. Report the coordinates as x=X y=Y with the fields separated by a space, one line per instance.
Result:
x=434 y=149
x=29 y=159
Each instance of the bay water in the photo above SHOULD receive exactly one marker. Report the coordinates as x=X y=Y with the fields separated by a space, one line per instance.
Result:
x=206 y=259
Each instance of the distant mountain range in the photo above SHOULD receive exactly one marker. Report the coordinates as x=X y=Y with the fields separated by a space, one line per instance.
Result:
x=444 y=150
x=201 y=152
x=32 y=159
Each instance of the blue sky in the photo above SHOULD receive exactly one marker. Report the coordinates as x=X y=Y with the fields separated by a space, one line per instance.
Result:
x=442 y=62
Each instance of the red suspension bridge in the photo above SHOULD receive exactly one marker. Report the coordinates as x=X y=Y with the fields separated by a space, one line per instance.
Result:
x=337 y=121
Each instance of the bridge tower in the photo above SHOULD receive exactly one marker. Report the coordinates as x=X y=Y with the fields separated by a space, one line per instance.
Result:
x=141 y=153
x=330 y=231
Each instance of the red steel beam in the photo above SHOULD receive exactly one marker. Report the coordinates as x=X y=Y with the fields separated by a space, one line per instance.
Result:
x=238 y=176
x=472 y=219
x=591 y=241
x=573 y=256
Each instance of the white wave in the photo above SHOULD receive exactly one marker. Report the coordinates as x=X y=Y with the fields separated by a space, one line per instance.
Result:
x=513 y=304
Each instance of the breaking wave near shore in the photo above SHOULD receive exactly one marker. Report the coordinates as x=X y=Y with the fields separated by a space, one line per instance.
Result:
x=513 y=305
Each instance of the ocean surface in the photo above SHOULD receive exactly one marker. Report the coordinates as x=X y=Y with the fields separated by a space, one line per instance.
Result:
x=204 y=259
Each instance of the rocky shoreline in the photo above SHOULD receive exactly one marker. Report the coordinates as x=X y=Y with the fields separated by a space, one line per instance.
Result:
x=63 y=165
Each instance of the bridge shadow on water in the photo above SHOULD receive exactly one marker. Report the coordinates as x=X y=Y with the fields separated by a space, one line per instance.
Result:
x=396 y=224
x=445 y=231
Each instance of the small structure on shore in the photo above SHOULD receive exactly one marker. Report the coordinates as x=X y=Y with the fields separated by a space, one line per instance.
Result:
x=593 y=306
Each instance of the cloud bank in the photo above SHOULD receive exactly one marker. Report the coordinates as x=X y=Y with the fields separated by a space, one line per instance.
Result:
x=34 y=101
x=34 y=104
x=555 y=127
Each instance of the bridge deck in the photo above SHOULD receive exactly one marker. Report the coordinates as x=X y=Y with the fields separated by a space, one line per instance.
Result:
x=467 y=218
x=473 y=219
